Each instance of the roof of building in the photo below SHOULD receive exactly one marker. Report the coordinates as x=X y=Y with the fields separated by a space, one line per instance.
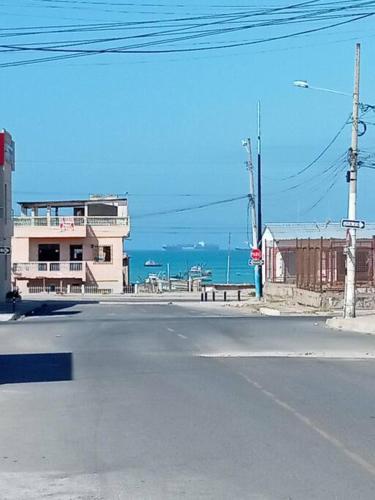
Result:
x=315 y=230
x=69 y=203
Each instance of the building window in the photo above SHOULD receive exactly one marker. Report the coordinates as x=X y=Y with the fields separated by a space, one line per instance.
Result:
x=48 y=252
x=76 y=252
x=103 y=253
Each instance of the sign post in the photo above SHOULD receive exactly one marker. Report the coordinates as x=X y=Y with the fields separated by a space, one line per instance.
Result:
x=4 y=250
x=356 y=224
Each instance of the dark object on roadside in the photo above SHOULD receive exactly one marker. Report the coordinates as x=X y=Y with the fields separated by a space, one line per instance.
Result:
x=13 y=295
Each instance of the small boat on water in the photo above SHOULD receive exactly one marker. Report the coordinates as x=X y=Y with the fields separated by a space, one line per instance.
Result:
x=178 y=276
x=152 y=263
x=200 y=271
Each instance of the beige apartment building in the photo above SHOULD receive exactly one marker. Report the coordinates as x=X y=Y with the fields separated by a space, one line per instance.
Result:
x=71 y=246
x=7 y=165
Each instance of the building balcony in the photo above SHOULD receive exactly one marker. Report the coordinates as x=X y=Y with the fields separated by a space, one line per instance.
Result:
x=40 y=270
x=72 y=227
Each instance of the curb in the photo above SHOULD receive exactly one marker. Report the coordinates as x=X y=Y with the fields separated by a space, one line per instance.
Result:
x=10 y=317
x=268 y=311
x=350 y=324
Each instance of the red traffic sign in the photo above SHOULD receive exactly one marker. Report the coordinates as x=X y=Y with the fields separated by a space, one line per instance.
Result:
x=256 y=254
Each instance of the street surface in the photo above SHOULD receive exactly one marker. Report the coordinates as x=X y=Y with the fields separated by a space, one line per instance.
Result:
x=168 y=401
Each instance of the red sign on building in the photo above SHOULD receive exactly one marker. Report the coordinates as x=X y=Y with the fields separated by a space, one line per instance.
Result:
x=7 y=149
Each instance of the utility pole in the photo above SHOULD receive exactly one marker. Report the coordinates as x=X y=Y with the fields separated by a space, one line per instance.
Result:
x=250 y=168
x=350 y=295
x=260 y=226
x=228 y=258
x=169 y=276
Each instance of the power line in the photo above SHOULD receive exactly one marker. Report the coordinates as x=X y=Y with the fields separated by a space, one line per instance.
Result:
x=318 y=176
x=138 y=48
x=128 y=194
x=213 y=25
x=194 y=207
x=321 y=154
x=323 y=196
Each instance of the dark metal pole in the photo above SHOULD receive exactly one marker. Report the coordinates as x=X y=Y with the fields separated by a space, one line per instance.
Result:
x=260 y=227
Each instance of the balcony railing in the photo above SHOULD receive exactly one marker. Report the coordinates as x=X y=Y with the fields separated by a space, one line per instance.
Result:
x=106 y=221
x=49 y=269
x=69 y=222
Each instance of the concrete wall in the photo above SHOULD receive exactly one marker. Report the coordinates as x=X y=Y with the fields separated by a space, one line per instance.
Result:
x=106 y=274
x=289 y=294
x=278 y=291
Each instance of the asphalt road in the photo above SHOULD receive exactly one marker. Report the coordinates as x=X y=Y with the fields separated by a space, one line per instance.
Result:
x=167 y=402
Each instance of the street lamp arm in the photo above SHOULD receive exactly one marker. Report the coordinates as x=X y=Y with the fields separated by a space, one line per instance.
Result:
x=323 y=89
x=303 y=84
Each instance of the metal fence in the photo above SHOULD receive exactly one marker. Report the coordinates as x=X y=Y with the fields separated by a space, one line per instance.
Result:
x=61 y=222
x=73 y=289
x=318 y=264
x=321 y=264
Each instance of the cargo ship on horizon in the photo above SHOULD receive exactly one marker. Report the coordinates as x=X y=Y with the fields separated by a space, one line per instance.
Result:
x=201 y=245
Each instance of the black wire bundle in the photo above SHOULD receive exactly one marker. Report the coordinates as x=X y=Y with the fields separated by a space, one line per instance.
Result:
x=227 y=28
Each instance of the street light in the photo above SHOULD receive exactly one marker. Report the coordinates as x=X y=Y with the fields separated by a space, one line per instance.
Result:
x=301 y=83
x=304 y=84
x=350 y=292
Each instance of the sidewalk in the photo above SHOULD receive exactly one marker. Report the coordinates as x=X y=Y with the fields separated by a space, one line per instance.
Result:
x=365 y=323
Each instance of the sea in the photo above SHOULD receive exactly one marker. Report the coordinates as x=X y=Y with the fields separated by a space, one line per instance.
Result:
x=180 y=262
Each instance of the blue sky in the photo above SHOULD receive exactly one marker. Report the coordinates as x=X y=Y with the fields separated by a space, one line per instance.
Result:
x=167 y=129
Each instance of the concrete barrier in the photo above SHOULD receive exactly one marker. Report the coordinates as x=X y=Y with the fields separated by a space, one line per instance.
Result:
x=269 y=311
x=362 y=324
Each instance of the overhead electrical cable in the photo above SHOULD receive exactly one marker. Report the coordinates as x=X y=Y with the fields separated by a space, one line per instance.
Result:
x=321 y=154
x=194 y=207
x=171 y=33
x=137 y=48
x=330 y=187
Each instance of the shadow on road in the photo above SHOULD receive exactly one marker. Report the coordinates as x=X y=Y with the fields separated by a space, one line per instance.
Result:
x=53 y=307
x=46 y=367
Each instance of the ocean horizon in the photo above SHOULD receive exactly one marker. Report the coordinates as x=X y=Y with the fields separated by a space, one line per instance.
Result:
x=180 y=262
